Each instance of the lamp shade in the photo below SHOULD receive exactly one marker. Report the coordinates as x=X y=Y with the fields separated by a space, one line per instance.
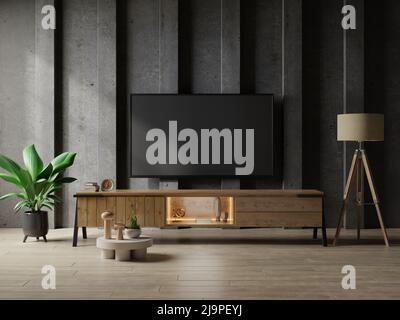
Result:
x=360 y=127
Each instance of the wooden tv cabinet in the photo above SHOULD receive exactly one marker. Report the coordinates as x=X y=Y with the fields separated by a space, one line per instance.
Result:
x=243 y=208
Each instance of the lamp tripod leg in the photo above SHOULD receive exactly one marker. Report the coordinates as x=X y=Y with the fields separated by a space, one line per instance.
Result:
x=359 y=195
x=339 y=225
x=374 y=196
x=347 y=189
x=358 y=222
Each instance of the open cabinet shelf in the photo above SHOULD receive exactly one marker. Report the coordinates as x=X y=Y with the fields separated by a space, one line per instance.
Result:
x=200 y=211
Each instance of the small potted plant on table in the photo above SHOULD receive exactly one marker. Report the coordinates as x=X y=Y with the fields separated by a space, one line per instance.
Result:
x=37 y=184
x=133 y=228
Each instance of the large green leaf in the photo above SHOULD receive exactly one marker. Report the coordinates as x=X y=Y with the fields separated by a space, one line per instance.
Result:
x=12 y=195
x=54 y=177
x=11 y=179
x=64 y=180
x=27 y=183
x=46 y=172
x=32 y=161
x=20 y=205
x=48 y=207
x=53 y=189
x=63 y=161
x=16 y=171
x=9 y=165
x=55 y=198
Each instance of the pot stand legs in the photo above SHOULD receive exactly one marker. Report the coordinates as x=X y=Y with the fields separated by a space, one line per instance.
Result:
x=37 y=238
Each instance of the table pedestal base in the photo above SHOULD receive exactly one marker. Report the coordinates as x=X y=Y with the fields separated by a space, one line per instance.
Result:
x=124 y=250
x=107 y=254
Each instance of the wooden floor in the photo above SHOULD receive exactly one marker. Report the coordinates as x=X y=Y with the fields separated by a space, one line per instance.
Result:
x=204 y=264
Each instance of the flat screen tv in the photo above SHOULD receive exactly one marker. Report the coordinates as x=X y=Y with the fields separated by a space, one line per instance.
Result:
x=202 y=135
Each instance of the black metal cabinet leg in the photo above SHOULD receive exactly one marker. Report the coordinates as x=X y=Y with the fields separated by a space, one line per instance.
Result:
x=25 y=237
x=324 y=238
x=44 y=238
x=315 y=233
x=84 y=234
x=75 y=237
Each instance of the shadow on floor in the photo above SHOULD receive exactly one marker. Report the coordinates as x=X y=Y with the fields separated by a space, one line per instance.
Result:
x=228 y=241
x=237 y=240
x=354 y=242
x=155 y=257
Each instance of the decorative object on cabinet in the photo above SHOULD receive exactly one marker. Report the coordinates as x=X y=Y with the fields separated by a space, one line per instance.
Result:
x=217 y=209
x=92 y=186
x=224 y=216
x=179 y=212
x=107 y=185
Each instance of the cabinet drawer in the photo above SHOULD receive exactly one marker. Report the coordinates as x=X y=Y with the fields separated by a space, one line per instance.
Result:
x=278 y=219
x=278 y=204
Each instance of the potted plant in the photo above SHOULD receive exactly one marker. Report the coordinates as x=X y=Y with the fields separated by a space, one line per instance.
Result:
x=37 y=184
x=133 y=228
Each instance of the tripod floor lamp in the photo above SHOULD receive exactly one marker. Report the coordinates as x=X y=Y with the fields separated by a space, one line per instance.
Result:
x=360 y=127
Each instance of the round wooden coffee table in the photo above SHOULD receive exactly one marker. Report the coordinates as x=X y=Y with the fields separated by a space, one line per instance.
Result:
x=124 y=250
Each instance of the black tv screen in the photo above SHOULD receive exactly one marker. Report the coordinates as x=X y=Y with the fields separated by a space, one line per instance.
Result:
x=202 y=135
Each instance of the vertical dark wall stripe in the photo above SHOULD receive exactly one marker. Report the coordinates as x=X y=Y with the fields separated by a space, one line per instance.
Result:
x=168 y=46
x=312 y=109
x=168 y=58
x=230 y=60
x=382 y=87
x=322 y=100
x=261 y=61
x=200 y=55
x=221 y=44
x=123 y=147
x=391 y=101
x=58 y=98
x=353 y=88
x=159 y=7
x=292 y=69
x=247 y=46
x=185 y=46
x=375 y=77
x=283 y=34
x=344 y=110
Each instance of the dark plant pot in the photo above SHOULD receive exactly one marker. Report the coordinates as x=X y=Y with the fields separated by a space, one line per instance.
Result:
x=35 y=224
